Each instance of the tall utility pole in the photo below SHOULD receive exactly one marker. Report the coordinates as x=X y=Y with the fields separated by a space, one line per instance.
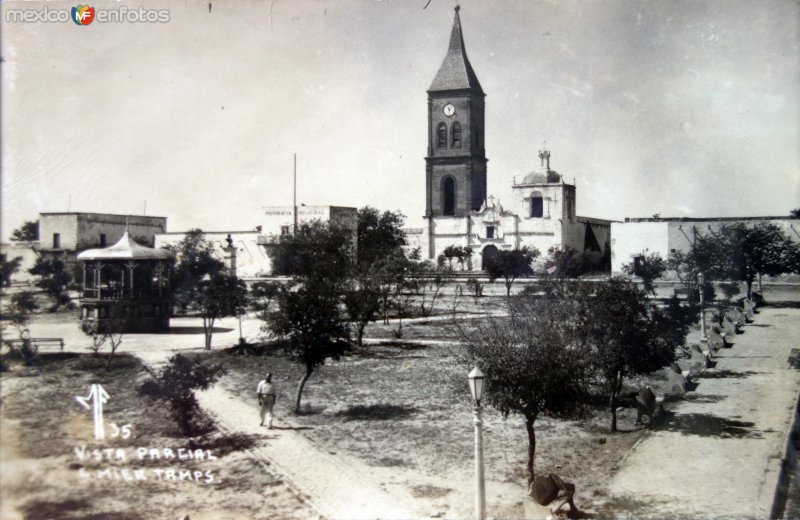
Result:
x=294 y=197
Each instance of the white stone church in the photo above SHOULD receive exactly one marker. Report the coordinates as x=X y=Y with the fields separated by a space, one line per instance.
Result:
x=542 y=212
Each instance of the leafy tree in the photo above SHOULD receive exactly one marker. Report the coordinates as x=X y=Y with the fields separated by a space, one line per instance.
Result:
x=222 y=295
x=262 y=294
x=649 y=268
x=511 y=264
x=9 y=268
x=431 y=279
x=532 y=361
x=626 y=335
x=175 y=384
x=19 y=309
x=795 y=213
x=196 y=262
x=379 y=234
x=362 y=298
x=53 y=279
x=27 y=232
x=743 y=253
x=461 y=254
x=309 y=320
x=388 y=275
x=568 y=263
x=317 y=251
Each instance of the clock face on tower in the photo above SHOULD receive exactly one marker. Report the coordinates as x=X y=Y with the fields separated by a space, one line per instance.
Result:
x=449 y=110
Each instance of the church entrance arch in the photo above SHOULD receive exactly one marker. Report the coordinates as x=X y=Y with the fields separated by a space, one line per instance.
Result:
x=487 y=254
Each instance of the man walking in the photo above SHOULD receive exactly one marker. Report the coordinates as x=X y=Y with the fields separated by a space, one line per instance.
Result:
x=266 y=399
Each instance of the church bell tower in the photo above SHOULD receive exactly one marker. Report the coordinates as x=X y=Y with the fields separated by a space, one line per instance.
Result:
x=455 y=172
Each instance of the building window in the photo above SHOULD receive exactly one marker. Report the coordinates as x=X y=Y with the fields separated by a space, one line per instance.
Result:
x=537 y=207
x=456 y=131
x=449 y=196
x=441 y=132
x=102 y=240
x=285 y=230
x=56 y=240
x=489 y=231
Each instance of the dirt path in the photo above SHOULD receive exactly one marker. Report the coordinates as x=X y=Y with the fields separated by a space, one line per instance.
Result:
x=336 y=487
x=720 y=453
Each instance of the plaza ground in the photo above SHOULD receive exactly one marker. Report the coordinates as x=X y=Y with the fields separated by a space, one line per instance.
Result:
x=389 y=430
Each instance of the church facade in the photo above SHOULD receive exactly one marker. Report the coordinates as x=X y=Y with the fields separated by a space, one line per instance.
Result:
x=458 y=212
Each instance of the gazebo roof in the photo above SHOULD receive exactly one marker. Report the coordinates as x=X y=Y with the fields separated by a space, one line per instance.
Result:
x=126 y=249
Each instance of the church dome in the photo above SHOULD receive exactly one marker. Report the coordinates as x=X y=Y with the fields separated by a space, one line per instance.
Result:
x=540 y=176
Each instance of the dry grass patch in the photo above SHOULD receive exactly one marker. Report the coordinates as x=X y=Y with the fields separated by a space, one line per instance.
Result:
x=43 y=425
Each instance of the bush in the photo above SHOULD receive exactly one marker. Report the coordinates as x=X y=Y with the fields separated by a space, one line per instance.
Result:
x=175 y=383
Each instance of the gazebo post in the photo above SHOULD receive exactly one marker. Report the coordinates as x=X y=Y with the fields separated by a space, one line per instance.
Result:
x=130 y=266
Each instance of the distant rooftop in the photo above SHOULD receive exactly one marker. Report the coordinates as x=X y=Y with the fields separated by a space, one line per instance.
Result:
x=97 y=214
x=705 y=219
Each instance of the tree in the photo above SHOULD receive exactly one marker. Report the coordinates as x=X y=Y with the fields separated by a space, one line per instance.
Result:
x=222 y=295
x=196 y=262
x=625 y=334
x=511 y=264
x=175 y=383
x=27 y=232
x=318 y=250
x=111 y=338
x=461 y=254
x=53 y=279
x=261 y=296
x=309 y=320
x=9 y=268
x=795 y=213
x=19 y=309
x=566 y=262
x=649 y=268
x=532 y=361
x=743 y=253
x=433 y=279
x=362 y=298
x=379 y=234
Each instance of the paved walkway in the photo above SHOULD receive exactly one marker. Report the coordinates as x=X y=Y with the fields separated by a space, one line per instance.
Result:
x=719 y=455
x=338 y=488
x=335 y=487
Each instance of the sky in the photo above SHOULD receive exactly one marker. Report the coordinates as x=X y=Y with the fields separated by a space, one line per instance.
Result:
x=683 y=109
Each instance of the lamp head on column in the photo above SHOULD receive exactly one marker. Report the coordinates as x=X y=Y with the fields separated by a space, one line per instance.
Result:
x=476 y=383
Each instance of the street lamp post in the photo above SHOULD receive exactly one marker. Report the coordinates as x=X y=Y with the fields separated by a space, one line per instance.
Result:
x=476 y=382
x=701 y=278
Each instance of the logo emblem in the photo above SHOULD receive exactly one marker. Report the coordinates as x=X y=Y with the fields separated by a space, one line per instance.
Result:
x=83 y=14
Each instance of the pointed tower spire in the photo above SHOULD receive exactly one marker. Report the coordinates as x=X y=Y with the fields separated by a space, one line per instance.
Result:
x=456 y=71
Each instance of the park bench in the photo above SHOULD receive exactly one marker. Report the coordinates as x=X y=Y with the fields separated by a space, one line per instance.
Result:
x=794 y=358
x=736 y=315
x=647 y=403
x=544 y=490
x=729 y=327
x=715 y=339
x=35 y=343
x=748 y=306
x=678 y=380
x=700 y=357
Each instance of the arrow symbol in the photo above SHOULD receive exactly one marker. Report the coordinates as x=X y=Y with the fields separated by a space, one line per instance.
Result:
x=99 y=397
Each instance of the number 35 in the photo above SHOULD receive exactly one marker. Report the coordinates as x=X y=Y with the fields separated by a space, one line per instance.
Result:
x=124 y=432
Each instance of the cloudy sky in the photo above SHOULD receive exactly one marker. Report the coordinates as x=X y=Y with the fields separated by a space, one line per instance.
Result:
x=678 y=108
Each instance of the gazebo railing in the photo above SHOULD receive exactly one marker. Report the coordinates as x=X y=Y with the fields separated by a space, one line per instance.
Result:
x=120 y=293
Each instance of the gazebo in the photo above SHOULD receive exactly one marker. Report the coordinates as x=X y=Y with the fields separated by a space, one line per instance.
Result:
x=126 y=288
